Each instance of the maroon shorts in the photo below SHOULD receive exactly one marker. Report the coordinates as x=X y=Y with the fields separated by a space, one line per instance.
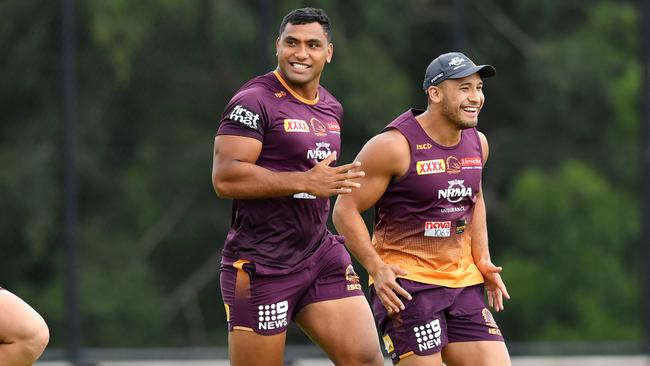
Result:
x=435 y=316
x=264 y=299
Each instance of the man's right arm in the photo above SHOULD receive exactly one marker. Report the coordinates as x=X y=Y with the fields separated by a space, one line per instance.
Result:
x=235 y=174
x=383 y=157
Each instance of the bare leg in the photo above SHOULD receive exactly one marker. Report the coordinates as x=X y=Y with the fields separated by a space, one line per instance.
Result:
x=345 y=329
x=415 y=360
x=23 y=332
x=481 y=353
x=247 y=348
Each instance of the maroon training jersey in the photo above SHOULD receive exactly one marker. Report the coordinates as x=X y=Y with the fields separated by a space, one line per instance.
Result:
x=296 y=133
x=423 y=220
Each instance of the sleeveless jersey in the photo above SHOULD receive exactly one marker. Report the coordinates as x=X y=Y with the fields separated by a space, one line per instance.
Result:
x=423 y=222
x=296 y=133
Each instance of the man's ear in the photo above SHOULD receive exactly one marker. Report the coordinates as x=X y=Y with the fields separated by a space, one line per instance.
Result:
x=435 y=94
x=330 y=52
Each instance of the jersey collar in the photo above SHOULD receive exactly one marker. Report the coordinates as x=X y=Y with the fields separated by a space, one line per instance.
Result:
x=294 y=93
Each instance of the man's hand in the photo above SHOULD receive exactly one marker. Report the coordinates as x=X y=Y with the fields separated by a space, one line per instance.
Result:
x=496 y=289
x=387 y=288
x=325 y=181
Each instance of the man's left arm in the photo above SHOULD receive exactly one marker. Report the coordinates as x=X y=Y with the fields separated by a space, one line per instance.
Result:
x=496 y=289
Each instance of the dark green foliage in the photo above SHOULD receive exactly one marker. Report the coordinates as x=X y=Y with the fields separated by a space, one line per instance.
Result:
x=153 y=77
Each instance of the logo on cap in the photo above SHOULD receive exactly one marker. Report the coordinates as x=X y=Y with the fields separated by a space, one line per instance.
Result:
x=437 y=77
x=456 y=61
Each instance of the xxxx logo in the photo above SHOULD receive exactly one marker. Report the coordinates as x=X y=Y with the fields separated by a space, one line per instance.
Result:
x=295 y=125
x=430 y=166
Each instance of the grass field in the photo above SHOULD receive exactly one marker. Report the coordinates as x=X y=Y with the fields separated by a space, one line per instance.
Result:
x=516 y=361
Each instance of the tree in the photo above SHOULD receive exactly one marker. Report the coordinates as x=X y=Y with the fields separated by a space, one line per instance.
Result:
x=570 y=232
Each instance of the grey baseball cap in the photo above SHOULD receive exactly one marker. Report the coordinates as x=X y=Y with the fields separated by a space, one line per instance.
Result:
x=453 y=65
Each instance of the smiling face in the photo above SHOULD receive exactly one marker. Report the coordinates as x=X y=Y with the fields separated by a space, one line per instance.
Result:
x=462 y=100
x=303 y=50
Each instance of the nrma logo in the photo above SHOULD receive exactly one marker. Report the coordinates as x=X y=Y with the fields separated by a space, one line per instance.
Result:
x=321 y=152
x=456 y=191
x=273 y=316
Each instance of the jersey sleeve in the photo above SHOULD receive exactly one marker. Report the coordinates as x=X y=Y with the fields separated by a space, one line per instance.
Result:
x=245 y=116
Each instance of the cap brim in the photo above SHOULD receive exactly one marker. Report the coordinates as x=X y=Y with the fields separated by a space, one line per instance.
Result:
x=485 y=71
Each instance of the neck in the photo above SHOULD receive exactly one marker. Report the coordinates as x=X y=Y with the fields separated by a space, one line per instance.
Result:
x=308 y=91
x=439 y=128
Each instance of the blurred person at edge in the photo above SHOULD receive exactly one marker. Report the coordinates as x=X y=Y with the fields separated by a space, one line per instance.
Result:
x=278 y=137
x=23 y=332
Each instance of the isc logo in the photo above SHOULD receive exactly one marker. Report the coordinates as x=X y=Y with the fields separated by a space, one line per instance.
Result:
x=430 y=166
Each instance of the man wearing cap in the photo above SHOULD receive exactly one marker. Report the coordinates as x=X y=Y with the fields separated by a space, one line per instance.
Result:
x=428 y=257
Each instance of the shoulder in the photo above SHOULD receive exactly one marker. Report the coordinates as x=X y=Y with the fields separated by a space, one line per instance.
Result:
x=391 y=139
x=330 y=100
x=485 y=147
x=388 y=151
x=253 y=93
x=249 y=110
x=255 y=102
x=482 y=137
x=406 y=123
x=260 y=89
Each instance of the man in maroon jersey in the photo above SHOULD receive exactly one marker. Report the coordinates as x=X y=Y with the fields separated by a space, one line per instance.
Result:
x=428 y=257
x=277 y=138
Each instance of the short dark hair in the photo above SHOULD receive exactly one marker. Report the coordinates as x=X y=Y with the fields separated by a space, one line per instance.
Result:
x=306 y=16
